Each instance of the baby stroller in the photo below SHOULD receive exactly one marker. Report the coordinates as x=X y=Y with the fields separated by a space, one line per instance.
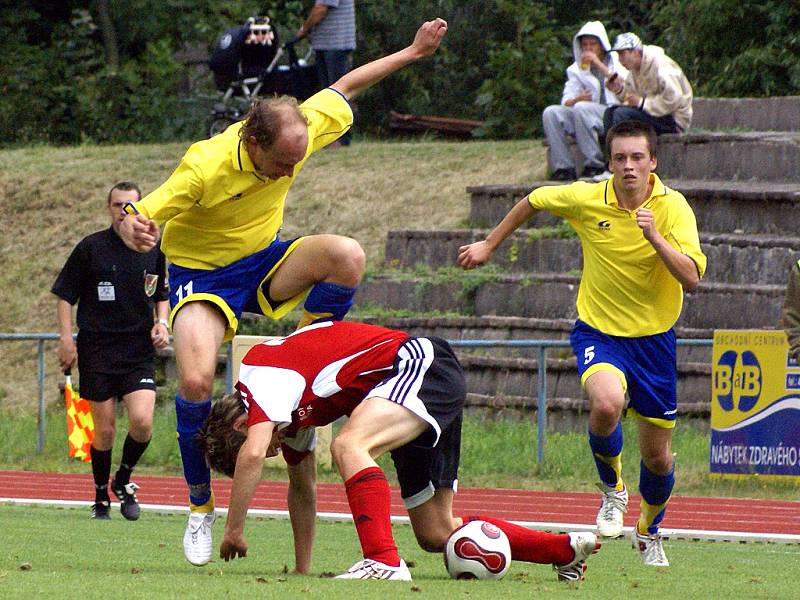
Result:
x=245 y=65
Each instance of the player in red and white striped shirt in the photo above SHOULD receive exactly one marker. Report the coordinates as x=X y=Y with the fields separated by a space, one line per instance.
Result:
x=403 y=395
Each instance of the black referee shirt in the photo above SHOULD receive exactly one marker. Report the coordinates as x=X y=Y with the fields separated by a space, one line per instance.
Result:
x=115 y=287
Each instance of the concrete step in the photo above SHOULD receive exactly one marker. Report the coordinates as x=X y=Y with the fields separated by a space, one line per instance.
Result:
x=552 y=296
x=732 y=258
x=756 y=156
x=757 y=114
x=495 y=328
x=720 y=206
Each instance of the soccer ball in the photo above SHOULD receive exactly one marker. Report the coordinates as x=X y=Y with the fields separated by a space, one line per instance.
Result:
x=478 y=550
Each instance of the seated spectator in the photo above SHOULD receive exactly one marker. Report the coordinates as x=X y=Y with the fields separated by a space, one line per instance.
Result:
x=583 y=103
x=655 y=91
x=791 y=311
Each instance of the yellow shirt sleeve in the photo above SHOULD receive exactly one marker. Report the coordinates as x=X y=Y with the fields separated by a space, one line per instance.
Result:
x=329 y=116
x=561 y=200
x=683 y=235
x=179 y=193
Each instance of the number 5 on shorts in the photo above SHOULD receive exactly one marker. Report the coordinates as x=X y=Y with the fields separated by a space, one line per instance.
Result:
x=588 y=355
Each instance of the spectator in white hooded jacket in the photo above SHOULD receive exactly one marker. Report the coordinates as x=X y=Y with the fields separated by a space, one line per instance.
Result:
x=583 y=103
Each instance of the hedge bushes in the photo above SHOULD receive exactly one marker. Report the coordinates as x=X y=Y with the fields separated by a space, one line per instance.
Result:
x=502 y=61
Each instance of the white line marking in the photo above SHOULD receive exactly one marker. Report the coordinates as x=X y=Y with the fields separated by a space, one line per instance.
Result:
x=678 y=534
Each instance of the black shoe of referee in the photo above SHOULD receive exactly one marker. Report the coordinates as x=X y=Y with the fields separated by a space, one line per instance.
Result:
x=101 y=510
x=126 y=494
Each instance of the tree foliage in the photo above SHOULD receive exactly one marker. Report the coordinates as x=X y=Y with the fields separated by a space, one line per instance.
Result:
x=103 y=71
x=743 y=48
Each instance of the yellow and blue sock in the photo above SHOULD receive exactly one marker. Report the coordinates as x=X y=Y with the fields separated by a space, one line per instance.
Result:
x=656 y=491
x=327 y=302
x=190 y=417
x=607 y=452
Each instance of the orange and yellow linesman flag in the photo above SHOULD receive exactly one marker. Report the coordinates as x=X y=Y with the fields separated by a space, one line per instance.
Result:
x=80 y=425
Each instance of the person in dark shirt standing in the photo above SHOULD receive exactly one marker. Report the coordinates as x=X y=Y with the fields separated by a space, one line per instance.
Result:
x=116 y=289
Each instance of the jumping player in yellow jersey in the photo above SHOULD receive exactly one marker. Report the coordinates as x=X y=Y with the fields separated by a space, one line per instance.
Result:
x=641 y=250
x=223 y=209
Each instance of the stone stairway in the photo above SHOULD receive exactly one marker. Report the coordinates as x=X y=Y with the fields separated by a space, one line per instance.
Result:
x=744 y=189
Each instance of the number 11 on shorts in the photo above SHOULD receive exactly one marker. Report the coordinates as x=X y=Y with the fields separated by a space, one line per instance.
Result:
x=183 y=291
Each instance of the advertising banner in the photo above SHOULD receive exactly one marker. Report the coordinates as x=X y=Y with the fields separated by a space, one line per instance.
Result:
x=755 y=405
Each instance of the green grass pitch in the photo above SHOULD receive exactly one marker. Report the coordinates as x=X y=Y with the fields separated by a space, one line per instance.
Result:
x=61 y=553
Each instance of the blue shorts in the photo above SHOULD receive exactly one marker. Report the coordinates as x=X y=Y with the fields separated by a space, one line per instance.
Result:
x=647 y=367
x=241 y=286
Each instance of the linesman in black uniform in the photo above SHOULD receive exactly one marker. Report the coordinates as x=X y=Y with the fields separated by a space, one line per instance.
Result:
x=117 y=290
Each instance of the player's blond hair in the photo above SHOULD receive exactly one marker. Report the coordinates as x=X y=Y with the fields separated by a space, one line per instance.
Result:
x=217 y=439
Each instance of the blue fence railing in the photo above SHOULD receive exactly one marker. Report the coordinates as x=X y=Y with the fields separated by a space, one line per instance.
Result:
x=541 y=376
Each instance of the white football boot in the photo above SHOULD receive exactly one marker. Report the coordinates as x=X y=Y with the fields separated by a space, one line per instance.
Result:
x=614 y=504
x=372 y=569
x=197 y=542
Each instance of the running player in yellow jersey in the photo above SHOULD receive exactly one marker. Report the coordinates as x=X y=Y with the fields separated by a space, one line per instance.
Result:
x=223 y=209
x=641 y=250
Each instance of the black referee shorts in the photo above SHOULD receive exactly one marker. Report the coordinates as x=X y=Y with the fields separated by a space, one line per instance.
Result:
x=113 y=365
x=99 y=387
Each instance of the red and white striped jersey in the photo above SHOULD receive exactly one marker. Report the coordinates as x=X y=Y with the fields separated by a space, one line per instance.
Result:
x=317 y=374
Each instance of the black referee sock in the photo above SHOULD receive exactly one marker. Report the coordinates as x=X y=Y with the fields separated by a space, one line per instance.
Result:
x=101 y=469
x=131 y=453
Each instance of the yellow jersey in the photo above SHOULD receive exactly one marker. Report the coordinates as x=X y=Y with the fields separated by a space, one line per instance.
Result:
x=217 y=209
x=626 y=289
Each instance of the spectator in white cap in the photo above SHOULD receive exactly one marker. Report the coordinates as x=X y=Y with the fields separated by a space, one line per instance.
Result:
x=583 y=104
x=655 y=91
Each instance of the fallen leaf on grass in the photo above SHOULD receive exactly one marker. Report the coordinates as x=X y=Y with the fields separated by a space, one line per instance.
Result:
x=25 y=567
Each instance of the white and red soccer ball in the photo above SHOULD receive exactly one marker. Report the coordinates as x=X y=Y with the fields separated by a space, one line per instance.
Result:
x=478 y=550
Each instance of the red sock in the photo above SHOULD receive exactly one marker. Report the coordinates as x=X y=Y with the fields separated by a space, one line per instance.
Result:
x=530 y=545
x=370 y=502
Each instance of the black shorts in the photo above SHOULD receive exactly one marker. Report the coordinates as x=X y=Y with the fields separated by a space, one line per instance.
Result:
x=114 y=352
x=428 y=380
x=99 y=387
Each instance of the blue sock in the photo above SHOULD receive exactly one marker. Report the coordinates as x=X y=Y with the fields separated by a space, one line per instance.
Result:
x=190 y=417
x=327 y=302
x=655 y=491
x=607 y=453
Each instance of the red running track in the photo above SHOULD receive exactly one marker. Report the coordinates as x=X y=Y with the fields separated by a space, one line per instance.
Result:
x=684 y=512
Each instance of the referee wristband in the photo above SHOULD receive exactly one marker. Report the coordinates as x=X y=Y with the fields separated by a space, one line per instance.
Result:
x=163 y=322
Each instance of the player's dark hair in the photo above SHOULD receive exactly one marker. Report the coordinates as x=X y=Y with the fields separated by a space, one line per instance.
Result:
x=267 y=116
x=125 y=186
x=217 y=439
x=633 y=128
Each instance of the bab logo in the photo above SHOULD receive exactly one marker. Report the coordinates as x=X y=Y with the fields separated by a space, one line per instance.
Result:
x=737 y=381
